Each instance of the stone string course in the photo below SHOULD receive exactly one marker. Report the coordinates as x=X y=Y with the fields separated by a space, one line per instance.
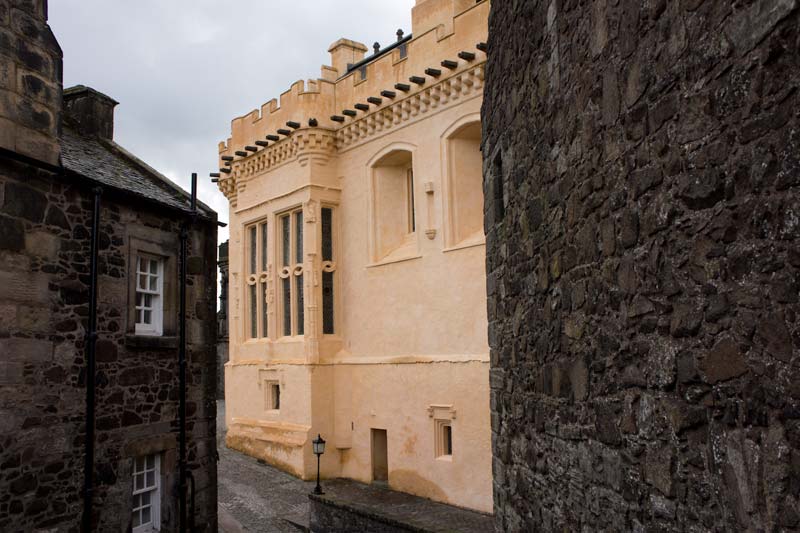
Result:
x=642 y=180
x=44 y=276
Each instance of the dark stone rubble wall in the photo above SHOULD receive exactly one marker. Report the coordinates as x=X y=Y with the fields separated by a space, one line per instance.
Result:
x=642 y=180
x=45 y=227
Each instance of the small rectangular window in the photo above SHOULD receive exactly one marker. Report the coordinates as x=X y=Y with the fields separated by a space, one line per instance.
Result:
x=149 y=295
x=274 y=391
x=146 y=494
x=444 y=439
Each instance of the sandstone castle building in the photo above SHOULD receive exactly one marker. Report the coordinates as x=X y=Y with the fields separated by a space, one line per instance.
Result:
x=357 y=288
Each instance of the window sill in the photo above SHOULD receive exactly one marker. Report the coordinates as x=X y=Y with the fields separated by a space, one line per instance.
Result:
x=151 y=342
x=467 y=243
x=391 y=260
x=445 y=458
x=297 y=339
x=256 y=342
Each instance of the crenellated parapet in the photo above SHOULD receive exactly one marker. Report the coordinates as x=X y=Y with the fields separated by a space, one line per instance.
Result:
x=359 y=96
x=302 y=145
x=463 y=84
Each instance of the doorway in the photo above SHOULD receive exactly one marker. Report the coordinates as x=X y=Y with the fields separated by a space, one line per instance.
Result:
x=380 y=456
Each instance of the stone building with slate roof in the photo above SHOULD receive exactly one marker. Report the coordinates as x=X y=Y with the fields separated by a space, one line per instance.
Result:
x=55 y=152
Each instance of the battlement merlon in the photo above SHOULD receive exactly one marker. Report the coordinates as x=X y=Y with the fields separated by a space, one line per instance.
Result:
x=442 y=29
x=430 y=14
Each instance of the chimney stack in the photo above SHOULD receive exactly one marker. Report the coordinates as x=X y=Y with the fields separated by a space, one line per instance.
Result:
x=90 y=112
x=346 y=52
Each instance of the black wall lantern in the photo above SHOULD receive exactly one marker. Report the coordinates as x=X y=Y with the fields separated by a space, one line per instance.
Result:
x=319 y=449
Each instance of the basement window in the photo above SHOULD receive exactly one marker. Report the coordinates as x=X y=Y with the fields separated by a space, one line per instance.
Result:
x=146 y=494
x=444 y=439
x=273 y=396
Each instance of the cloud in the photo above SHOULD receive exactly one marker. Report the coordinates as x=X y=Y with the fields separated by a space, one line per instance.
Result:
x=183 y=69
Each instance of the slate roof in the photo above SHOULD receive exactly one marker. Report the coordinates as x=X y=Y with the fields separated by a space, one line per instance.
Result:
x=109 y=164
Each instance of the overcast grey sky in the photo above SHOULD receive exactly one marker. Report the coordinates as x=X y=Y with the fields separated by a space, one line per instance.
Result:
x=182 y=69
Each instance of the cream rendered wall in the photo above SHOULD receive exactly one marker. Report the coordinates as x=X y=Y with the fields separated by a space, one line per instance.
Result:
x=410 y=342
x=432 y=303
x=415 y=330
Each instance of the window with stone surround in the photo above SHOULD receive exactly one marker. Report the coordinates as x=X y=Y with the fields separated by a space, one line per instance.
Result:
x=273 y=395
x=160 y=327
x=443 y=417
x=393 y=207
x=292 y=314
x=146 y=494
x=464 y=186
x=149 y=295
x=257 y=262
x=444 y=439
x=328 y=272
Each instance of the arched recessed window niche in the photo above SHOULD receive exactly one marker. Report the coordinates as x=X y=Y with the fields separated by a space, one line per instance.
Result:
x=392 y=206
x=463 y=184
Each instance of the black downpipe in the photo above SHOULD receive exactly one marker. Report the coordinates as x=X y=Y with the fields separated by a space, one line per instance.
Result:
x=182 y=361
x=91 y=343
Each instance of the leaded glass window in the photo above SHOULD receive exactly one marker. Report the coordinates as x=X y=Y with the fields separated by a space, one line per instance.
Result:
x=257 y=236
x=328 y=270
x=292 y=279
